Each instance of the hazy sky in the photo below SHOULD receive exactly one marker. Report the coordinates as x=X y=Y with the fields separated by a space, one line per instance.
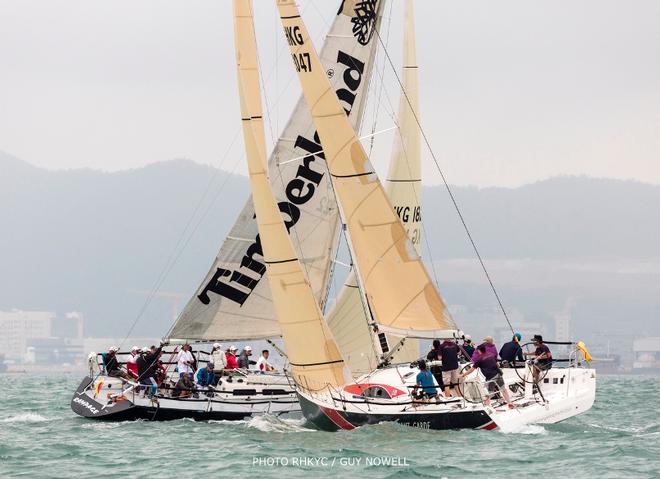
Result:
x=512 y=91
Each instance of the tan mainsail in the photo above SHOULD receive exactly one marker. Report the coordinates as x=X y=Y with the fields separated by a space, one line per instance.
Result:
x=313 y=355
x=399 y=292
x=233 y=301
x=347 y=319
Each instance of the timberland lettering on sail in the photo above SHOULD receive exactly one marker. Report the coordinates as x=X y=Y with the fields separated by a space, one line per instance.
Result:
x=238 y=285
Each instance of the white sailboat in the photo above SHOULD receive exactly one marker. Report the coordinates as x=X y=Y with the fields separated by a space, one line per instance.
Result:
x=396 y=289
x=234 y=302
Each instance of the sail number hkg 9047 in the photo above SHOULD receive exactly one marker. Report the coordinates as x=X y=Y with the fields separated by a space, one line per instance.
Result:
x=302 y=61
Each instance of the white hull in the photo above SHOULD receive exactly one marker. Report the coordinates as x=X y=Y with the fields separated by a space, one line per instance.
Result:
x=564 y=393
x=111 y=398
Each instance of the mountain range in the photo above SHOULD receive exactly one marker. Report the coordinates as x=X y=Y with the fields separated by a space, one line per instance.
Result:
x=95 y=241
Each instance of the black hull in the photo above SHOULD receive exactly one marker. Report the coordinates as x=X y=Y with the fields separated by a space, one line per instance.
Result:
x=328 y=419
x=87 y=407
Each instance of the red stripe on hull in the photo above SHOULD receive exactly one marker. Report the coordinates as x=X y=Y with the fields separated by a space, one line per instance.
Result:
x=489 y=426
x=337 y=418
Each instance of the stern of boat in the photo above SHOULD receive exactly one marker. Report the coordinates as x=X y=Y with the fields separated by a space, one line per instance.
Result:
x=101 y=399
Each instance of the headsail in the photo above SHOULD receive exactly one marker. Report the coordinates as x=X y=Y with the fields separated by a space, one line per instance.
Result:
x=400 y=294
x=234 y=299
x=361 y=347
x=313 y=355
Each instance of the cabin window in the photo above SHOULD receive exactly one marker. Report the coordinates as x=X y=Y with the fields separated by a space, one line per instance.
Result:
x=273 y=392
x=376 y=392
x=244 y=392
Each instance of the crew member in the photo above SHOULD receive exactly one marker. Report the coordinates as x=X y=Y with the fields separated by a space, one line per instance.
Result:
x=231 y=358
x=262 y=363
x=511 y=351
x=487 y=364
x=436 y=355
x=244 y=360
x=111 y=364
x=185 y=361
x=424 y=380
x=449 y=353
x=542 y=357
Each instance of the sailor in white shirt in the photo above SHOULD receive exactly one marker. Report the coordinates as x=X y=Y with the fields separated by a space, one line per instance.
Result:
x=218 y=357
x=262 y=364
x=185 y=361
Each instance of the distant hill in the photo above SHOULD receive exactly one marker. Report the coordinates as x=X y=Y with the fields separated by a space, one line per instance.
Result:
x=563 y=217
x=84 y=239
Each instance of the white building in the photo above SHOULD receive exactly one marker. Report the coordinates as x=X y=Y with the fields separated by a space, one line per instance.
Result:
x=647 y=354
x=18 y=327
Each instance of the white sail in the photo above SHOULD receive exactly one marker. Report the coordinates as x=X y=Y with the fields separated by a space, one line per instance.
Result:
x=398 y=290
x=313 y=356
x=361 y=347
x=234 y=300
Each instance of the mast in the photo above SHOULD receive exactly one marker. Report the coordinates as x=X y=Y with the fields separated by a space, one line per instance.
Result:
x=313 y=355
x=401 y=296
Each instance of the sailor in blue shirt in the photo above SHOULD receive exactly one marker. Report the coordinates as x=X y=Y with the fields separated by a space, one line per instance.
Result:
x=424 y=380
x=205 y=377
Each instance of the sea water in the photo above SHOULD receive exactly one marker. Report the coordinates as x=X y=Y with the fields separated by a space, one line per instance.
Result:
x=40 y=437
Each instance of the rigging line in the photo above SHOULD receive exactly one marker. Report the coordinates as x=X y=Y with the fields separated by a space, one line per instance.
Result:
x=382 y=83
x=176 y=251
x=446 y=184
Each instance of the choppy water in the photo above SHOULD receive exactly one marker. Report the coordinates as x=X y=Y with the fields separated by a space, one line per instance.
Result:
x=41 y=438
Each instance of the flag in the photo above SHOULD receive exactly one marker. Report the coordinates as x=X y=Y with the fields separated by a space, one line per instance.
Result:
x=583 y=349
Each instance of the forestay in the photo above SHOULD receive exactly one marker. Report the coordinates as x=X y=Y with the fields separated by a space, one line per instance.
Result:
x=400 y=294
x=234 y=301
x=313 y=356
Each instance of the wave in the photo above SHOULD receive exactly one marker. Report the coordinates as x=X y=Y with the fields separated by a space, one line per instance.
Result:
x=25 y=417
x=269 y=423
x=534 y=429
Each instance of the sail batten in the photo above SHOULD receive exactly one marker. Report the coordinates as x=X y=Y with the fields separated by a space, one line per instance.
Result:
x=398 y=289
x=234 y=299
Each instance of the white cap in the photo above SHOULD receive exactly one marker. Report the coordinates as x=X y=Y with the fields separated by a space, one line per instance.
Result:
x=233 y=348
x=113 y=348
x=145 y=349
x=217 y=345
x=247 y=348
x=467 y=336
x=135 y=348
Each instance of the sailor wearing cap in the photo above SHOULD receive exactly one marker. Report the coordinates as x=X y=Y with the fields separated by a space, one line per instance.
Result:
x=542 y=357
x=111 y=364
x=244 y=360
x=205 y=377
x=231 y=358
x=131 y=362
x=218 y=357
x=489 y=343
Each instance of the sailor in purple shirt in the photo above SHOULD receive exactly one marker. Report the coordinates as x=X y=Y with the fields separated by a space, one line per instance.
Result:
x=487 y=364
x=489 y=343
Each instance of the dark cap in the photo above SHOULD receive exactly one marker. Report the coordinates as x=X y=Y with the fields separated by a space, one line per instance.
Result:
x=537 y=338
